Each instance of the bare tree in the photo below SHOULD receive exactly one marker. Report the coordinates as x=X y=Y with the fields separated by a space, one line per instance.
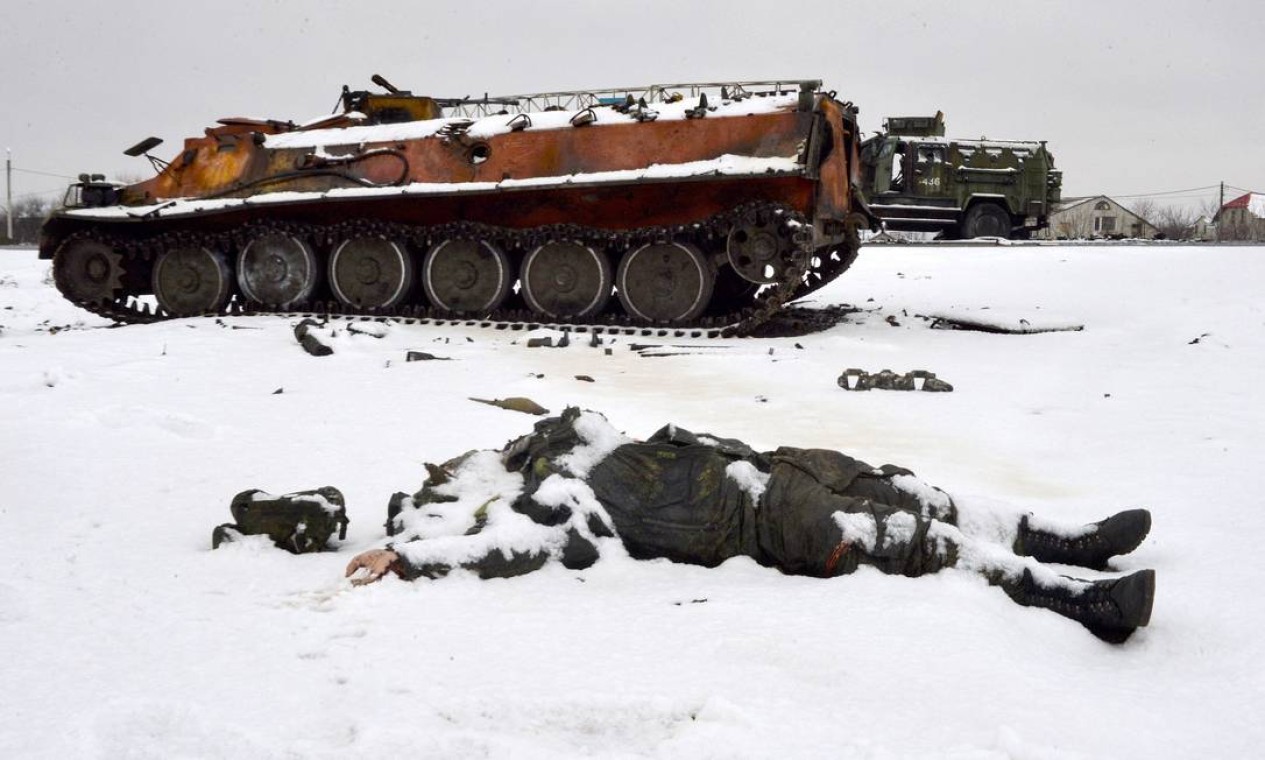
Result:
x=28 y=216
x=1175 y=222
x=1074 y=227
x=1147 y=209
x=33 y=206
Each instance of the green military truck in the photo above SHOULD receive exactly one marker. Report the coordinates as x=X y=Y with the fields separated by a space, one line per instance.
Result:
x=917 y=180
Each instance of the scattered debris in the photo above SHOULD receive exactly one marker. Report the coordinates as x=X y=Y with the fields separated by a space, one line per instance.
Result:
x=309 y=341
x=891 y=320
x=886 y=380
x=797 y=321
x=547 y=338
x=1196 y=340
x=692 y=601
x=372 y=329
x=1024 y=327
x=658 y=350
x=222 y=323
x=422 y=356
x=515 y=404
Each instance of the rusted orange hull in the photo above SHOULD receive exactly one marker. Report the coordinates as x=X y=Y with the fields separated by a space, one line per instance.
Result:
x=229 y=163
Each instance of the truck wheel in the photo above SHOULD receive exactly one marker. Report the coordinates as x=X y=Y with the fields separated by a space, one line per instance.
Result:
x=986 y=220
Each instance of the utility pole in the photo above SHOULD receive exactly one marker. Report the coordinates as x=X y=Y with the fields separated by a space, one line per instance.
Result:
x=8 y=190
x=1220 y=205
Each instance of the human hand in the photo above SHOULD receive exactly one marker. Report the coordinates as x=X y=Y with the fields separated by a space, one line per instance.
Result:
x=375 y=563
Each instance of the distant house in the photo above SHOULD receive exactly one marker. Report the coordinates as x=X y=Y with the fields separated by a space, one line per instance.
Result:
x=1242 y=218
x=1096 y=217
x=1203 y=229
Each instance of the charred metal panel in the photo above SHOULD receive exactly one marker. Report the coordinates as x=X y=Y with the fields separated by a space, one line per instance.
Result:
x=247 y=168
x=834 y=183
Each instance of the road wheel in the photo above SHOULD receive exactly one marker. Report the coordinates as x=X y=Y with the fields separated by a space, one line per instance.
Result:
x=88 y=271
x=665 y=282
x=986 y=220
x=466 y=276
x=191 y=281
x=566 y=279
x=277 y=270
x=370 y=272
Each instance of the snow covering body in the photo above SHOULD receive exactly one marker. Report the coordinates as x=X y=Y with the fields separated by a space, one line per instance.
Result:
x=575 y=488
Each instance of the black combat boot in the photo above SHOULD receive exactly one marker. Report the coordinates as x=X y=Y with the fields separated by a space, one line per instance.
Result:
x=1119 y=534
x=1111 y=609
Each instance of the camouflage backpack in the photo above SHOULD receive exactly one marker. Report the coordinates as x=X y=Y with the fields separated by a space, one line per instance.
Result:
x=299 y=522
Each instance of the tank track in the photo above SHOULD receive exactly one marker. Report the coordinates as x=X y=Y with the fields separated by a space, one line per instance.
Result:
x=807 y=271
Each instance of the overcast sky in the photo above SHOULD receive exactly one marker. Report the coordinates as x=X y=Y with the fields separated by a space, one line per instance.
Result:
x=1132 y=96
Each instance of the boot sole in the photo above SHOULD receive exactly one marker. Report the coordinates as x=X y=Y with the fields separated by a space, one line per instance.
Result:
x=1134 y=596
x=1139 y=534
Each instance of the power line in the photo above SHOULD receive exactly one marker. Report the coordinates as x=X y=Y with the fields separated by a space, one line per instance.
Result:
x=42 y=174
x=1166 y=192
x=1243 y=190
x=24 y=196
x=1167 y=198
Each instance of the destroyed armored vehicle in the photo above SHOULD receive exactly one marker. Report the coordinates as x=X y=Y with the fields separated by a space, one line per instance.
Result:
x=917 y=180
x=693 y=204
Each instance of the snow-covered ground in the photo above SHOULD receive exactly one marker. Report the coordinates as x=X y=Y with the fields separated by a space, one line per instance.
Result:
x=122 y=635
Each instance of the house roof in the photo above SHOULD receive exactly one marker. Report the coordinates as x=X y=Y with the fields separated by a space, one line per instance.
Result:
x=1253 y=202
x=1067 y=203
x=1070 y=203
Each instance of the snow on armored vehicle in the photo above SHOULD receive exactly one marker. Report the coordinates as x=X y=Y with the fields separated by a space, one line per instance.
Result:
x=917 y=180
x=698 y=205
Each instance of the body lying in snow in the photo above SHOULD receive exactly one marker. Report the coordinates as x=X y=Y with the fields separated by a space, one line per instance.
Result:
x=575 y=488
